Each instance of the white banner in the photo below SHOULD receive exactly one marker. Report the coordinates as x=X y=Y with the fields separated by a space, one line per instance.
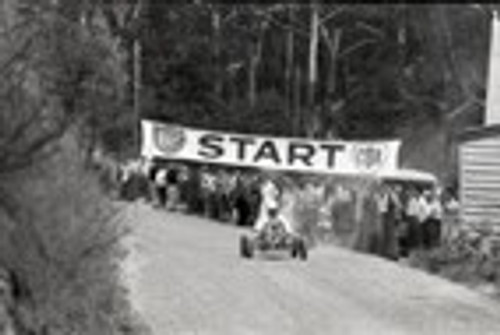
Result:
x=169 y=141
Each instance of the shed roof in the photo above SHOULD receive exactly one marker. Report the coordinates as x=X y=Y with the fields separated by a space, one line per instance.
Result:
x=477 y=133
x=409 y=175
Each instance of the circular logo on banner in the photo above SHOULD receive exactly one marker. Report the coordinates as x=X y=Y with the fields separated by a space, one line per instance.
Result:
x=368 y=157
x=169 y=139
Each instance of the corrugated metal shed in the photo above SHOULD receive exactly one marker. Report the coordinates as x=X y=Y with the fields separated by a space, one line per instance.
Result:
x=479 y=164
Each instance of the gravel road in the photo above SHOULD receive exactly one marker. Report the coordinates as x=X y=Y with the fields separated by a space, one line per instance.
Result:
x=186 y=277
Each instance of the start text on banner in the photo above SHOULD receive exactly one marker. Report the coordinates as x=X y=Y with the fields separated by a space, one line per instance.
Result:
x=175 y=142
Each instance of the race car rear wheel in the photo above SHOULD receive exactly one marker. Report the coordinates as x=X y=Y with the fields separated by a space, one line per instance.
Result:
x=246 y=248
x=301 y=249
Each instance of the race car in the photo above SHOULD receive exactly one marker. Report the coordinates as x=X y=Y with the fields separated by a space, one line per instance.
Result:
x=273 y=237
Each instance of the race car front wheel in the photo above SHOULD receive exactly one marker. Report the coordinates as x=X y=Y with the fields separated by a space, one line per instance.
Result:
x=246 y=249
x=299 y=249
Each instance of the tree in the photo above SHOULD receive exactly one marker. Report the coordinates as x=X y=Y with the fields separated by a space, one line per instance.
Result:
x=59 y=233
x=357 y=70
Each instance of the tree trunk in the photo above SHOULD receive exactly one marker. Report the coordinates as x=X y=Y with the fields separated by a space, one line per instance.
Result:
x=333 y=47
x=333 y=96
x=255 y=57
x=313 y=61
x=289 y=68
x=137 y=89
x=137 y=75
x=252 y=81
x=297 y=102
x=216 y=26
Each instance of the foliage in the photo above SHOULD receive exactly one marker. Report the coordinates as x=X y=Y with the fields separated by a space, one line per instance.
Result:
x=60 y=239
x=464 y=258
x=62 y=87
x=56 y=73
x=395 y=62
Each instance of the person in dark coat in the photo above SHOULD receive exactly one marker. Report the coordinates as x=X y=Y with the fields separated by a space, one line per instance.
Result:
x=241 y=203
x=434 y=220
x=412 y=213
x=388 y=207
x=192 y=191
x=161 y=186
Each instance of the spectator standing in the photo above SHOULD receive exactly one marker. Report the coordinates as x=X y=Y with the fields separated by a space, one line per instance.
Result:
x=253 y=194
x=123 y=176
x=161 y=186
x=241 y=201
x=228 y=187
x=223 y=191
x=403 y=225
x=208 y=188
x=151 y=176
x=413 y=214
x=425 y=219
x=388 y=210
x=183 y=181
x=451 y=217
x=172 y=189
x=434 y=219
x=192 y=188
x=134 y=184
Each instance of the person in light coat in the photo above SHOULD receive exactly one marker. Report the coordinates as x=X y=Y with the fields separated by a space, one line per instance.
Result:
x=413 y=215
x=270 y=203
x=434 y=220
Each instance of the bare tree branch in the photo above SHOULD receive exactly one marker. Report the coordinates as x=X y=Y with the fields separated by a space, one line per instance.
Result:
x=461 y=109
x=356 y=46
x=332 y=14
x=18 y=133
x=25 y=156
x=20 y=54
x=374 y=30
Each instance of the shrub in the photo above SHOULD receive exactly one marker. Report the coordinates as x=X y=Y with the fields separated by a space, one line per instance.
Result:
x=463 y=259
x=60 y=240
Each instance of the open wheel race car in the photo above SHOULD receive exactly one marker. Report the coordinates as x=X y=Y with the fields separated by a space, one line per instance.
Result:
x=273 y=237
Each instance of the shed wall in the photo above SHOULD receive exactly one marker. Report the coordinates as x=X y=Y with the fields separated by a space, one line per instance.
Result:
x=480 y=180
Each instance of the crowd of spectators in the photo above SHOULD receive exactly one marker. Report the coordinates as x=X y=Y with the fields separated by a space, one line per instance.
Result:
x=413 y=218
x=421 y=218
x=219 y=193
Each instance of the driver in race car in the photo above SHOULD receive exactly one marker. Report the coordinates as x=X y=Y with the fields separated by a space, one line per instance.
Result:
x=275 y=219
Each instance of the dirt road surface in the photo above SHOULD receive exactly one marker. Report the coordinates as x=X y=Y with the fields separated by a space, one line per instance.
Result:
x=186 y=277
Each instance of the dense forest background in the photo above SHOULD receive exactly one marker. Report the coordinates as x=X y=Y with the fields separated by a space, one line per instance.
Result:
x=315 y=70
x=415 y=72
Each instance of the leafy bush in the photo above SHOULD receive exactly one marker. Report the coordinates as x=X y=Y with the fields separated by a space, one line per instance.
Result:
x=464 y=259
x=60 y=240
